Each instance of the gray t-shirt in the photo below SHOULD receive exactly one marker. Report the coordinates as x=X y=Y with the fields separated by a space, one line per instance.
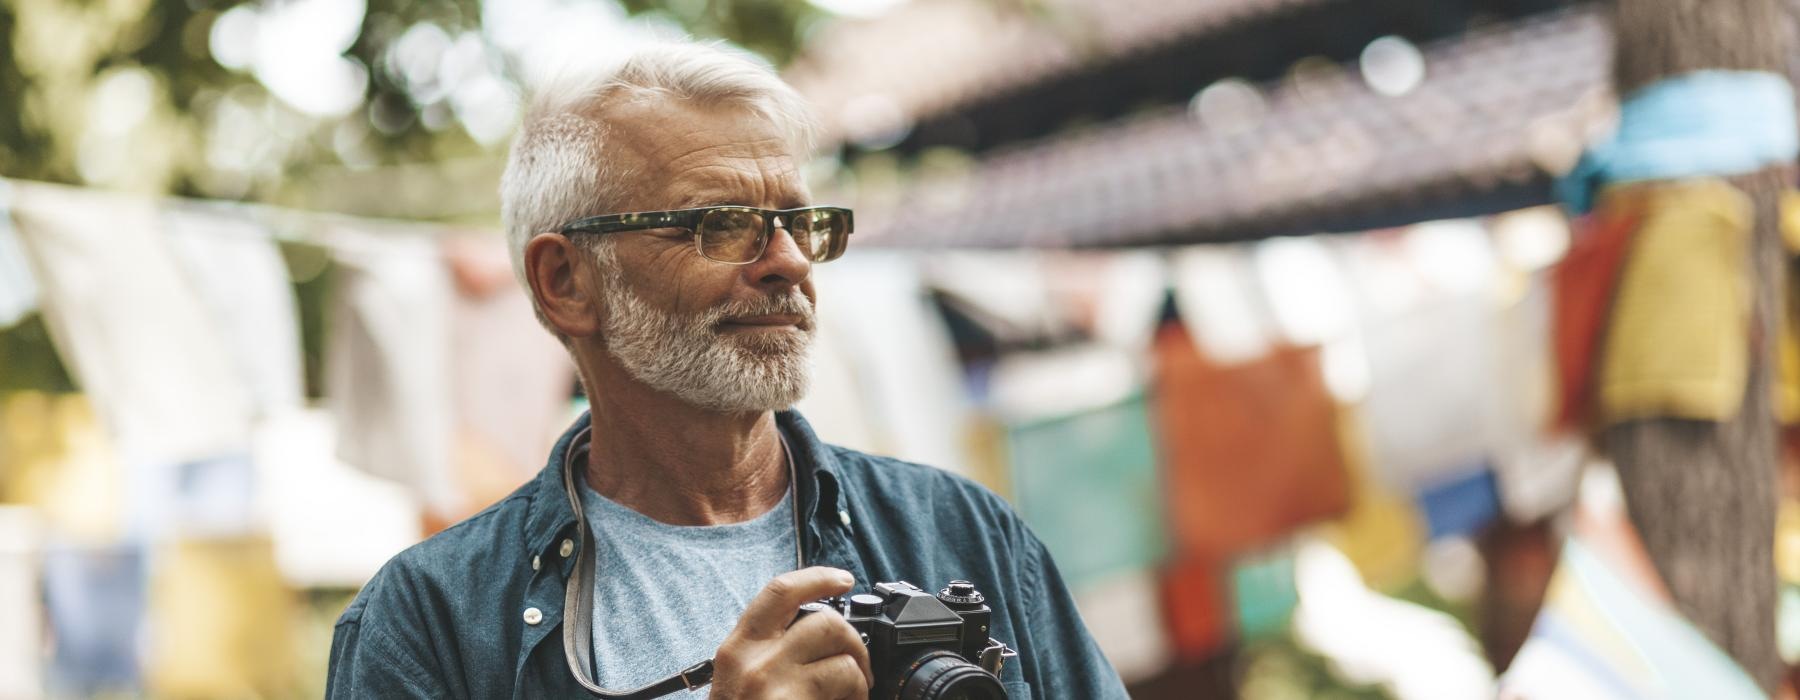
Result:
x=665 y=596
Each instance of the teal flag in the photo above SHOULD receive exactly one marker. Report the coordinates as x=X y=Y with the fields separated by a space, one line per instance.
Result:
x=1087 y=483
x=1263 y=593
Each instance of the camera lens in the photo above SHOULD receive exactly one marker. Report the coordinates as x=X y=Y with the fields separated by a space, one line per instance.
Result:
x=944 y=675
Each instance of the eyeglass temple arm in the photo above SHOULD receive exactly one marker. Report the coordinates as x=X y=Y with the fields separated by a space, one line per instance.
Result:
x=614 y=223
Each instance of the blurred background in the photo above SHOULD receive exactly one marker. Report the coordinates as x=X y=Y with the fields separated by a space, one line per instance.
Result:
x=1262 y=312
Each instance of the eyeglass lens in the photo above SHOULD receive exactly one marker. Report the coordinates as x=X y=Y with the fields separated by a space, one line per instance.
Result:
x=740 y=235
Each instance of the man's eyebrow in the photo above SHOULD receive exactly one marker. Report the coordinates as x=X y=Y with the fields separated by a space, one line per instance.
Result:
x=707 y=200
x=701 y=200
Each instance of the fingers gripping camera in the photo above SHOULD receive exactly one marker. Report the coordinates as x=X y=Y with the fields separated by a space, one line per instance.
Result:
x=925 y=647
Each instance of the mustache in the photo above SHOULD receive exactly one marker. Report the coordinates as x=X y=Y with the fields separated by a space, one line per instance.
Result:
x=793 y=303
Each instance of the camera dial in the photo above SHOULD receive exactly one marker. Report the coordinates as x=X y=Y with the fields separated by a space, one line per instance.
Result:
x=961 y=595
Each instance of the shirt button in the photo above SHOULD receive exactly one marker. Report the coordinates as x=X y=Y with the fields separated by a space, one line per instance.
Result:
x=533 y=616
x=568 y=548
x=844 y=517
x=535 y=564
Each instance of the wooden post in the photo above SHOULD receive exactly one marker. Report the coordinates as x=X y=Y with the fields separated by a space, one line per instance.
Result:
x=1704 y=495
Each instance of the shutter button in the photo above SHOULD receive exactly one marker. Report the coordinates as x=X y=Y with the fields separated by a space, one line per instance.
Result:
x=568 y=547
x=533 y=616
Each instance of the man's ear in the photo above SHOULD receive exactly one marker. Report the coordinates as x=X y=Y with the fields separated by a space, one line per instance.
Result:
x=556 y=271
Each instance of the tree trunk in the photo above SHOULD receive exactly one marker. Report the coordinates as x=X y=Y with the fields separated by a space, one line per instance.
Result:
x=1703 y=495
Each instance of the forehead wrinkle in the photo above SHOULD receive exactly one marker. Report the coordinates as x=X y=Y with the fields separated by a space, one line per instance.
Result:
x=692 y=155
x=723 y=184
x=733 y=151
x=758 y=183
x=667 y=128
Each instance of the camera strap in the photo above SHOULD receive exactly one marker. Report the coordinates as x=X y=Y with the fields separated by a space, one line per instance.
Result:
x=578 y=593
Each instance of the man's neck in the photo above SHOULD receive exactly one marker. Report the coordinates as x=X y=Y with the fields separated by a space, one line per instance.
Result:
x=679 y=464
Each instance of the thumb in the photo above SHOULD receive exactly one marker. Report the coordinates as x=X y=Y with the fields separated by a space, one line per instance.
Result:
x=773 y=608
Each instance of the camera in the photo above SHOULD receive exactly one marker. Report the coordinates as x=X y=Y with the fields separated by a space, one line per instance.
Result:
x=924 y=646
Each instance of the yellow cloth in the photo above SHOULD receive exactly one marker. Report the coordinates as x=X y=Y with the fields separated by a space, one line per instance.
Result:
x=56 y=457
x=1787 y=542
x=1714 y=394
x=1790 y=220
x=1787 y=347
x=222 y=622
x=1384 y=533
x=1677 y=341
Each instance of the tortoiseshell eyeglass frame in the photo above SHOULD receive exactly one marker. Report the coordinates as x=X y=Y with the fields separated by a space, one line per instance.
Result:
x=690 y=219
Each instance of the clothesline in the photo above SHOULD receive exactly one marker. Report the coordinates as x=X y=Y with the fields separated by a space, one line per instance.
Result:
x=85 y=245
x=338 y=231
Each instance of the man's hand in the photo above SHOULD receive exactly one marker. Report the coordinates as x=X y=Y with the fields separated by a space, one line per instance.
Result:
x=820 y=656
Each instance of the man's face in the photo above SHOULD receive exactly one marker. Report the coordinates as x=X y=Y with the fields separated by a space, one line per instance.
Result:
x=722 y=337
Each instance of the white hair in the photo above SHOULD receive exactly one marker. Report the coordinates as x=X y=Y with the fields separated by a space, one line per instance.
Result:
x=558 y=169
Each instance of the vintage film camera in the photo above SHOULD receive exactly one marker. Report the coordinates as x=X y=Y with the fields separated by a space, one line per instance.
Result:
x=924 y=646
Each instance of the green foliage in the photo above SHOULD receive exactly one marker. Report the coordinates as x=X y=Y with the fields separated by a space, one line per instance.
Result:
x=313 y=275
x=28 y=359
x=772 y=28
x=54 y=54
x=18 y=146
x=1279 y=668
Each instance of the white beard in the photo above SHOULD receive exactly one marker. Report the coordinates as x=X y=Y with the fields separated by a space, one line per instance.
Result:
x=688 y=358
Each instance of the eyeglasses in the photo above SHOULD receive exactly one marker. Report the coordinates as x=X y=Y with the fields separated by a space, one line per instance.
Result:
x=737 y=235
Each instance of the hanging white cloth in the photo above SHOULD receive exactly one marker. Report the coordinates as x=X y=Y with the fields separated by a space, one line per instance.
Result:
x=233 y=263
x=1009 y=290
x=1220 y=303
x=299 y=478
x=510 y=380
x=837 y=403
x=1427 y=322
x=387 y=361
x=18 y=286
x=1427 y=411
x=902 y=355
x=133 y=331
x=1114 y=298
x=1133 y=290
x=1535 y=470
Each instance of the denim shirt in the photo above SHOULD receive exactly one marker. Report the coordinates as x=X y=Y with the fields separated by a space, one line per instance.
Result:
x=476 y=611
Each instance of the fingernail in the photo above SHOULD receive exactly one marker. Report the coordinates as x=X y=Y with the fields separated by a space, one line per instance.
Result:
x=845 y=578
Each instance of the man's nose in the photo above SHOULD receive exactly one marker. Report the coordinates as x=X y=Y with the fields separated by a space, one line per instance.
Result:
x=783 y=264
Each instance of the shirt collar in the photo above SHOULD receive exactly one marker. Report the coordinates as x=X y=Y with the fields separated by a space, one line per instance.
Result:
x=819 y=490
x=551 y=516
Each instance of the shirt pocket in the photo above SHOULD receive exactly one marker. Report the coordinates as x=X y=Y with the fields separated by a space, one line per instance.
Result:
x=1017 y=690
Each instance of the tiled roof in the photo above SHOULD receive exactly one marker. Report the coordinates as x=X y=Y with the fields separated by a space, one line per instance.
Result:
x=929 y=56
x=1497 y=108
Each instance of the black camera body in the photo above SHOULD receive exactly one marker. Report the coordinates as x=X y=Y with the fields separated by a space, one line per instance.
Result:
x=924 y=646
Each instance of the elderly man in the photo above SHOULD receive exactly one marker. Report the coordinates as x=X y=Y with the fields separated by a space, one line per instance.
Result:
x=658 y=216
